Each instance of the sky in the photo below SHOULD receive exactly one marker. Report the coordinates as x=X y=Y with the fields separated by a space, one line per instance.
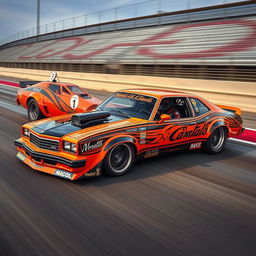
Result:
x=19 y=15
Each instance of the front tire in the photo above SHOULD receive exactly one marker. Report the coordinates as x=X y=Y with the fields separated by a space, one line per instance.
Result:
x=216 y=142
x=34 y=112
x=119 y=160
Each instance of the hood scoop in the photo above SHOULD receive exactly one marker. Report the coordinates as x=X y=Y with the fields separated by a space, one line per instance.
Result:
x=85 y=96
x=91 y=118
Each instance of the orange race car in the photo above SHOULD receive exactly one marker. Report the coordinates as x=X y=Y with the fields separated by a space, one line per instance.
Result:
x=129 y=124
x=46 y=99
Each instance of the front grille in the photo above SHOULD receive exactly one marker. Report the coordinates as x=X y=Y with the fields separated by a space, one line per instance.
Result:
x=43 y=143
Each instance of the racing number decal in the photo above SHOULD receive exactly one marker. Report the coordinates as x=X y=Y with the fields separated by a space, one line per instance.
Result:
x=74 y=101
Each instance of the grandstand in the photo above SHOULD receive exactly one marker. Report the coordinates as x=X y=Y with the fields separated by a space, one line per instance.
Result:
x=206 y=43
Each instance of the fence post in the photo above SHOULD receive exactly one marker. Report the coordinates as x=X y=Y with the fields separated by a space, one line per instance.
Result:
x=135 y=14
x=85 y=20
x=99 y=16
x=159 y=6
x=188 y=7
x=116 y=10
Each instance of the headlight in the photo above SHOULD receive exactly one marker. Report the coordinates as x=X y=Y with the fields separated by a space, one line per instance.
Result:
x=68 y=146
x=73 y=147
x=26 y=132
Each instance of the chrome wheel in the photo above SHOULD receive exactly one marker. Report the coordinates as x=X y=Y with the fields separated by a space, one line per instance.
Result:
x=216 y=142
x=33 y=111
x=218 y=139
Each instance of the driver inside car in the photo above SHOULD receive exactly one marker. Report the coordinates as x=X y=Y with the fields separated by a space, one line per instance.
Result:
x=167 y=107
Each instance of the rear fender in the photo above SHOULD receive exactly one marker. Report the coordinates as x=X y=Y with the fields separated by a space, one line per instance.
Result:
x=218 y=124
x=39 y=99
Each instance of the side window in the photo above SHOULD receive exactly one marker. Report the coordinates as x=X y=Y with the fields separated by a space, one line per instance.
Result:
x=176 y=107
x=55 y=88
x=65 y=90
x=199 y=107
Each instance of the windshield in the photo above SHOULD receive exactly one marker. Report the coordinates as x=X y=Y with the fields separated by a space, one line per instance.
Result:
x=75 y=89
x=129 y=105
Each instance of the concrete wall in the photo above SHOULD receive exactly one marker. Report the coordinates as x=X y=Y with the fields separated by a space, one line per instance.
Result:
x=237 y=94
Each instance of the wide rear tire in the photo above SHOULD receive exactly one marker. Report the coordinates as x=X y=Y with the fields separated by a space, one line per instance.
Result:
x=216 y=142
x=34 y=112
x=119 y=160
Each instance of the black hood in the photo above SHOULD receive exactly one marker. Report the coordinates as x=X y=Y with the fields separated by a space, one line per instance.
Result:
x=62 y=128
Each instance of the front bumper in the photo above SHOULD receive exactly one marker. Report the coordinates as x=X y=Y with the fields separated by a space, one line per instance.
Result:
x=37 y=156
x=51 y=164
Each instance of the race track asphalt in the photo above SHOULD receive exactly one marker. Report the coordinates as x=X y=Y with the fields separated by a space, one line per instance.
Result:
x=184 y=203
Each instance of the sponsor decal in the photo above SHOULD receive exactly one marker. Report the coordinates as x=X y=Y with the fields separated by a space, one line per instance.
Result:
x=195 y=145
x=134 y=96
x=132 y=130
x=21 y=156
x=94 y=173
x=150 y=153
x=36 y=165
x=92 y=145
x=193 y=102
x=143 y=135
x=63 y=174
x=74 y=101
x=185 y=132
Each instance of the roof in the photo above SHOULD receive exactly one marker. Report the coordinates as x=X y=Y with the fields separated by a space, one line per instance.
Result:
x=58 y=83
x=156 y=92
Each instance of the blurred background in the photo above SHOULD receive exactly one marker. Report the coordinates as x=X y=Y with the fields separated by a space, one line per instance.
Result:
x=186 y=39
x=180 y=204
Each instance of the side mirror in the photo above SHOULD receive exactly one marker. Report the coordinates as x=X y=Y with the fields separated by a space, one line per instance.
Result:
x=164 y=117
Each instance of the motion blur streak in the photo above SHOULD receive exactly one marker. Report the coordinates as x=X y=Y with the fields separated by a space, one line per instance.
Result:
x=184 y=203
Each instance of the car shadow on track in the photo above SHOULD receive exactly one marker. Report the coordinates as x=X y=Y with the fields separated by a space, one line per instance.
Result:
x=183 y=161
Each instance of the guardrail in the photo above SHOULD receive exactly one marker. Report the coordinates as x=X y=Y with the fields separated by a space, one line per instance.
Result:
x=147 y=8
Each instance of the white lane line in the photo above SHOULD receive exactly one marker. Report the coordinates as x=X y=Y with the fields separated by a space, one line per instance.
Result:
x=250 y=129
x=12 y=93
x=13 y=108
x=243 y=141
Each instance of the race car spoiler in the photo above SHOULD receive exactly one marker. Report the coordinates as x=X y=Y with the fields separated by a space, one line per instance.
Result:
x=231 y=109
x=25 y=84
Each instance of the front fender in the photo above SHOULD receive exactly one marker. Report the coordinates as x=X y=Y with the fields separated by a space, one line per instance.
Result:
x=119 y=140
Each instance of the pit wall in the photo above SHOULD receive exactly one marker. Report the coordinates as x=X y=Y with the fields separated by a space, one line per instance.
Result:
x=231 y=93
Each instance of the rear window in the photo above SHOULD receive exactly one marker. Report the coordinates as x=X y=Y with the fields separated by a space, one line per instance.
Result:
x=75 y=89
x=199 y=107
